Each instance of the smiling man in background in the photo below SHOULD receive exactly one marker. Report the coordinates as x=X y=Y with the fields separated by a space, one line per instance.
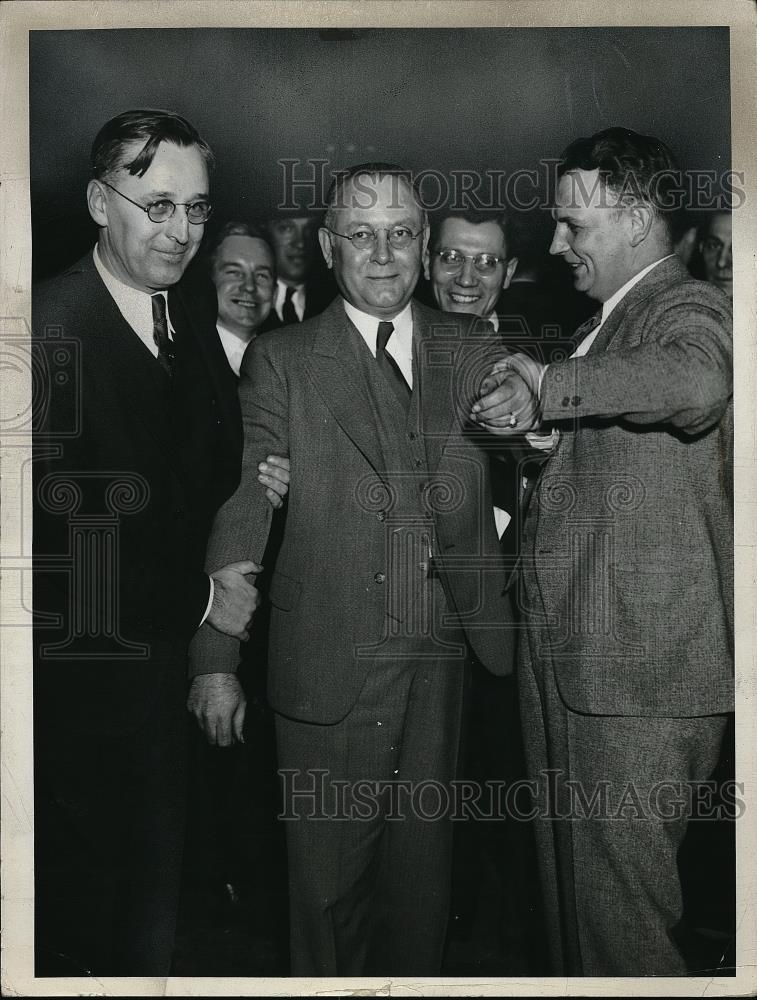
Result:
x=243 y=270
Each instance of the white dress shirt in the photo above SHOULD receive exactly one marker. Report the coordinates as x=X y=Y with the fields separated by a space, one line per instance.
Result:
x=134 y=306
x=400 y=344
x=233 y=346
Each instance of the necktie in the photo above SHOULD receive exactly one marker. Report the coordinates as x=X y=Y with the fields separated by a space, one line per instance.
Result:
x=586 y=328
x=160 y=334
x=288 y=312
x=388 y=366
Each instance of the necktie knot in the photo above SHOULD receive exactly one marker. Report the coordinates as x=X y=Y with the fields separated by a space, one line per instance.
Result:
x=385 y=330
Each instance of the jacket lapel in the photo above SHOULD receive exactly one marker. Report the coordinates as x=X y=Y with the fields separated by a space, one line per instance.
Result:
x=207 y=343
x=660 y=276
x=437 y=341
x=335 y=375
x=137 y=377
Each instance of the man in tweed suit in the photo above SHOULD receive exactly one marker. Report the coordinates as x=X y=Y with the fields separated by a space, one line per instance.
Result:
x=388 y=571
x=626 y=676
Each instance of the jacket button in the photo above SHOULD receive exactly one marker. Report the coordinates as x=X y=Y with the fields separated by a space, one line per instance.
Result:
x=411 y=436
x=379 y=578
x=566 y=401
x=381 y=515
x=576 y=401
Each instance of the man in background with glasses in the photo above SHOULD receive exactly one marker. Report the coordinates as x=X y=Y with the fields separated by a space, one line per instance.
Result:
x=389 y=574
x=137 y=445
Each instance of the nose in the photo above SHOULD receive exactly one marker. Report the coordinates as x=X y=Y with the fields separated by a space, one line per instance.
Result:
x=382 y=250
x=178 y=225
x=725 y=256
x=558 y=244
x=466 y=276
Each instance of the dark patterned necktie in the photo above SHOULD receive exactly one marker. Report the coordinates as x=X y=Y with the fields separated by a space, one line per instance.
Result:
x=586 y=328
x=288 y=312
x=160 y=334
x=388 y=366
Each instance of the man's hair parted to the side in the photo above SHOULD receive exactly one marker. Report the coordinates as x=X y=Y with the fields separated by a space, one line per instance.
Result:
x=237 y=227
x=374 y=170
x=150 y=126
x=631 y=165
x=477 y=217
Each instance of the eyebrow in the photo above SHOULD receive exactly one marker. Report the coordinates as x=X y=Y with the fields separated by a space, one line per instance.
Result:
x=169 y=196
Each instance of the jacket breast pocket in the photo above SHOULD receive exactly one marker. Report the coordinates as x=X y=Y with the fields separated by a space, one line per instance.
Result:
x=284 y=592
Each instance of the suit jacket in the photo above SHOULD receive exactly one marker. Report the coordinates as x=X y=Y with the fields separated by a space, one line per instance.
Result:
x=302 y=396
x=105 y=449
x=628 y=538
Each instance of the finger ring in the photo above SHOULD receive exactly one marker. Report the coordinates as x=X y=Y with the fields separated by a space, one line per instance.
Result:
x=513 y=420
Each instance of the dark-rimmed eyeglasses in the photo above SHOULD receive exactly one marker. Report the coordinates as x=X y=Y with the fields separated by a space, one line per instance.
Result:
x=398 y=237
x=198 y=212
x=454 y=260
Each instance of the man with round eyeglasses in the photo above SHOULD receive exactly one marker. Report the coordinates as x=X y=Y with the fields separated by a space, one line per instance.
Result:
x=470 y=267
x=137 y=446
x=389 y=574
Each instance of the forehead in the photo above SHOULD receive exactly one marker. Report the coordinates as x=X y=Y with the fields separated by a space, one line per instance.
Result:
x=720 y=226
x=300 y=222
x=472 y=237
x=174 y=169
x=248 y=249
x=372 y=199
x=582 y=191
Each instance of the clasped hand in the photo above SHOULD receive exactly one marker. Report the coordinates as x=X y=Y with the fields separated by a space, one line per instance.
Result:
x=508 y=404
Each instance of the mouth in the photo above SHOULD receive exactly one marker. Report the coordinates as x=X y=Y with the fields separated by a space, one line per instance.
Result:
x=172 y=254
x=246 y=303
x=463 y=300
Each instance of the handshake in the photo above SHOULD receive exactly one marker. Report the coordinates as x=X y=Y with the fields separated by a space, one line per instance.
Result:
x=508 y=404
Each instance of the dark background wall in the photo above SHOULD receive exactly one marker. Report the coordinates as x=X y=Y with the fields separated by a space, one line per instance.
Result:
x=472 y=99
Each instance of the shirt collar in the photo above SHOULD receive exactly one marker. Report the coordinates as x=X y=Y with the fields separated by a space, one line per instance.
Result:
x=368 y=325
x=609 y=305
x=134 y=305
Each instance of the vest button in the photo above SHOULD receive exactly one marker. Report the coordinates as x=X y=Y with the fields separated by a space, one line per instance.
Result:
x=419 y=463
x=381 y=515
x=411 y=435
x=379 y=578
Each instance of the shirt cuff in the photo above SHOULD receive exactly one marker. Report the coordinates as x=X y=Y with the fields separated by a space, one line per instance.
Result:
x=210 y=601
x=543 y=440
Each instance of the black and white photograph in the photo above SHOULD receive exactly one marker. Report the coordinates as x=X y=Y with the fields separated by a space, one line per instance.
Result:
x=378 y=498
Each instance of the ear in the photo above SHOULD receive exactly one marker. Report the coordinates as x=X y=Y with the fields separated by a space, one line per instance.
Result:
x=96 y=203
x=324 y=238
x=640 y=218
x=509 y=272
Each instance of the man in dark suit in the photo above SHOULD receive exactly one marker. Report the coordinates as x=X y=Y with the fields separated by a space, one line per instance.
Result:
x=389 y=570
x=626 y=677
x=135 y=451
x=303 y=286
